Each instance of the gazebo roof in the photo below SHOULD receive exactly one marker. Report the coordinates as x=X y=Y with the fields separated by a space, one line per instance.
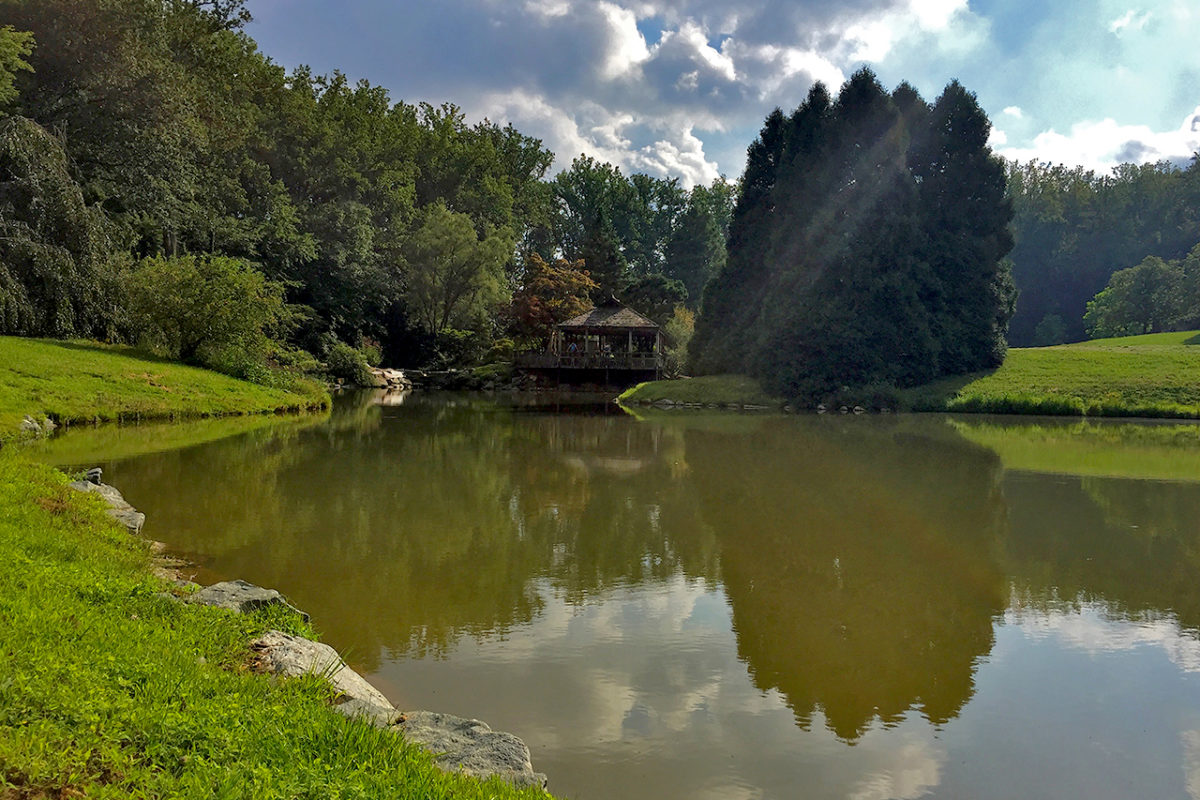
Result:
x=612 y=315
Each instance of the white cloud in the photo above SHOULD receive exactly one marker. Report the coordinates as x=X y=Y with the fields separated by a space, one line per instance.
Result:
x=1104 y=144
x=683 y=85
x=1130 y=20
x=626 y=46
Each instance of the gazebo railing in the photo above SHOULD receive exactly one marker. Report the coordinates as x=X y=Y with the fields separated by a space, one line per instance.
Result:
x=637 y=361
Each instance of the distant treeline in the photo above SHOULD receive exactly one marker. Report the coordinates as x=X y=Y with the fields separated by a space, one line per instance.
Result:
x=155 y=129
x=153 y=162
x=1074 y=229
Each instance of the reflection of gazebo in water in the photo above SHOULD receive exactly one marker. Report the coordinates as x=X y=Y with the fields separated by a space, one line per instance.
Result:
x=610 y=344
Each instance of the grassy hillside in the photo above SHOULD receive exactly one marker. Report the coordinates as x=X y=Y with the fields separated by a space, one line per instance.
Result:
x=1157 y=375
x=110 y=690
x=79 y=382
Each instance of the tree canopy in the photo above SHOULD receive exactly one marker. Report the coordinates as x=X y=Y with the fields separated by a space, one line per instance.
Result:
x=867 y=246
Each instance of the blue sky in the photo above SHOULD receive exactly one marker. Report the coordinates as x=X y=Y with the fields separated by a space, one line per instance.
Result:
x=680 y=88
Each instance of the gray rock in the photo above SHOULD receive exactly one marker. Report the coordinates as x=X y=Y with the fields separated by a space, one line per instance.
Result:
x=30 y=425
x=379 y=716
x=471 y=747
x=241 y=597
x=291 y=657
x=118 y=508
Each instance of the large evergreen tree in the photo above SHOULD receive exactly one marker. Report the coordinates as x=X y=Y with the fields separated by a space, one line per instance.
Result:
x=867 y=246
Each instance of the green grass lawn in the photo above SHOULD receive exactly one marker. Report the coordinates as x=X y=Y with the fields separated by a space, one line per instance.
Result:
x=709 y=389
x=108 y=690
x=1157 y=375
x=84 y=382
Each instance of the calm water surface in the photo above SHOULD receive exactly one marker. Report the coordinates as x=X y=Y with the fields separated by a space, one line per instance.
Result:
x=724 y=606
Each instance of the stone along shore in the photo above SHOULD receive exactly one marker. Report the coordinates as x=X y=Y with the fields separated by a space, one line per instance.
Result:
x=457 y=744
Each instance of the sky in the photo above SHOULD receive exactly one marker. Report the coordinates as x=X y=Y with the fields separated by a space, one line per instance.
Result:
x=680 y=89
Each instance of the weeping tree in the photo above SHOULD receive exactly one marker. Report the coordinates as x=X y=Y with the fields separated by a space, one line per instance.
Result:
x=55 y=274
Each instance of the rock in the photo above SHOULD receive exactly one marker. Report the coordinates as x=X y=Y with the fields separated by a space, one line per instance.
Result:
x=379 y=716
x=821 y=408
x=471 y=747
x=859 y=410
x=292 y=657
x=118 y=508
x=30 y=425
x=843 y=410
x=94 y=475
x=241 y=597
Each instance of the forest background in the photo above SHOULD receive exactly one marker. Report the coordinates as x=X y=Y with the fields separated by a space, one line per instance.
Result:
x=164 y=183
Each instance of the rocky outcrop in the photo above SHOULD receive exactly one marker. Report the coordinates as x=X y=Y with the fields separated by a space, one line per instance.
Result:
x=390 y=378
x=241 y=597
x=32 y=427
x=471 y=747
x=290 y=656
x=118 y=508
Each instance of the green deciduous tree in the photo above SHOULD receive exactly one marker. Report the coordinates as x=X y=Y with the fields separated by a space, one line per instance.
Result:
x=14 y=47
x=655 y=296
x=1154 y=296
x=212 y=310
x=454 y=276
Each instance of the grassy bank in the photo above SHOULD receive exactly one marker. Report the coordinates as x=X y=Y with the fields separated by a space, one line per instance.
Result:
x=84 y=382
x=109 y=690
x=720 y=390
x=1157 y=375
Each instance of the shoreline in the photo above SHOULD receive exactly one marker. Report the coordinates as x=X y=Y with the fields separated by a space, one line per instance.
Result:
x=255 y=670
x=456 y=743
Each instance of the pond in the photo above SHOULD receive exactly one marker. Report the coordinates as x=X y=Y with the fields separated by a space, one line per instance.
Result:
x=694 y=605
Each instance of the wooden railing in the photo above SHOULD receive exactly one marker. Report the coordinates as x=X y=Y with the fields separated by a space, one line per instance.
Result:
x=638 y=361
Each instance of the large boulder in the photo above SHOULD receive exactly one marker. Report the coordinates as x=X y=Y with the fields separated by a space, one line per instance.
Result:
x=291 y=657
x=241 y=597
x=471 y=747
x=118 y=508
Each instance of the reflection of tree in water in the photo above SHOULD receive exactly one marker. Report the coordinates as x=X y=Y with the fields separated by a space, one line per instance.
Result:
x=858 y=561
x=1134 y=544
x=405 y=528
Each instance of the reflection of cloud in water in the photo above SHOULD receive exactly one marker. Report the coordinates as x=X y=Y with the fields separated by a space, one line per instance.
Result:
x=1191 y=762
x=643 y=687
x=915 y=768
x=1095 y=628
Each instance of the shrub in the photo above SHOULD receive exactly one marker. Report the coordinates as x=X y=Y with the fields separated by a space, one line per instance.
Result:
x=344 y=363
x=215 y=311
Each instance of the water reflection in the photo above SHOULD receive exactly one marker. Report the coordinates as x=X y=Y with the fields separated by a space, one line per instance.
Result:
x=717 y=606
x=879 y=589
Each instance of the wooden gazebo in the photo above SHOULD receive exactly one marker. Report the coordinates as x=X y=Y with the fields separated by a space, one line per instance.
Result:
x=610 y=339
